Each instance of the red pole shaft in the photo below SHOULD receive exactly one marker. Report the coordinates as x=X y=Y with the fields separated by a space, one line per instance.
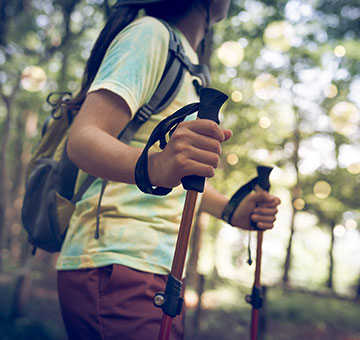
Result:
x=254 y=324
x=255 y=312
x=260 y=235
x=180 y=253
x=165 y=327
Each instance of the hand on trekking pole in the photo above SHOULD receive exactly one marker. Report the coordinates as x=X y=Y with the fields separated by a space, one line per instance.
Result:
x=259 y=207
x=193 y=149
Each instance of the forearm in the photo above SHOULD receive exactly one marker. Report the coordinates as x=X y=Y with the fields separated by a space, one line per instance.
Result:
x=102 y=155
x=213 y=202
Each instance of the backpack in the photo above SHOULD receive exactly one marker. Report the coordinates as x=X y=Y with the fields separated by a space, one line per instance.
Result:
x=50 y=196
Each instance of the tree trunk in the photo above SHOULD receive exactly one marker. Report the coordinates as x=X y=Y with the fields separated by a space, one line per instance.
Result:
x=4 y=181
x=22 y=290
x=3 y=22
x=18 y=167
x=295 y=194
x=330 y=280
x=67 y=9
x=197 y=315
x=357 y=291
x=288 y=261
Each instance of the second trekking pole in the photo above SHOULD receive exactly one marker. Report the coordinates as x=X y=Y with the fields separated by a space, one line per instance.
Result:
x=256 y=298
x=261 y=182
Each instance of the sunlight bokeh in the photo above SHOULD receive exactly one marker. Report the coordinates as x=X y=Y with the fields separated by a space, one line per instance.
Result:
x=354 y=168
x=265 y=86
x=236 y=96
x=339 y=51
x=322 y=189
x=264 y=122
x=278 y=36
x=345 y=117
x=299 y=204
x=331 y=91
x=33 y=78
x=339 y=230
x=232 y=158
x=231 y=53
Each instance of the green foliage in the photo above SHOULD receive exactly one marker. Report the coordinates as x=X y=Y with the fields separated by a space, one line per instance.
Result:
x=294 y=307
x=24 y=329
x=288 y=315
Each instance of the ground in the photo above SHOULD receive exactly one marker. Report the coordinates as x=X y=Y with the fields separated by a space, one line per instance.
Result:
x=225 y=316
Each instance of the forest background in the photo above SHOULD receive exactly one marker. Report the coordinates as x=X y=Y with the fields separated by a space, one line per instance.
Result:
x=292 y=72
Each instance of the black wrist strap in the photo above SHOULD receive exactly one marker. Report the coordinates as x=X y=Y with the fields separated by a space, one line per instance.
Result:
x=262 y=180
x=235 y=200
x=159 y=135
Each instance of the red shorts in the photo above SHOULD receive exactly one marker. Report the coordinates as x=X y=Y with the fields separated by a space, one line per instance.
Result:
x=113 y=303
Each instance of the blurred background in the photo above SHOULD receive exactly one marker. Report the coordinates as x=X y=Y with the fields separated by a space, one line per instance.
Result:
x=292 y=71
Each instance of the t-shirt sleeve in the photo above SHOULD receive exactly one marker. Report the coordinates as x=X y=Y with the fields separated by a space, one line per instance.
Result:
x=134 y=62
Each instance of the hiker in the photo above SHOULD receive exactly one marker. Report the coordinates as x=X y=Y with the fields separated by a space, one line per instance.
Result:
x=106 y=284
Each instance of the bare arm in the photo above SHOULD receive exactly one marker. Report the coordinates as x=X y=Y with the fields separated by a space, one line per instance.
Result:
x=193 y=149
x=213 y=202
x=93 y=145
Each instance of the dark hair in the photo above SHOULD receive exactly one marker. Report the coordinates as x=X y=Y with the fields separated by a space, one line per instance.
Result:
x=120 y=17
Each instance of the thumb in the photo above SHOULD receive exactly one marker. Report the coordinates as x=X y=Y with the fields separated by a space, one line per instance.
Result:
x=260 y=195
x=227 y=134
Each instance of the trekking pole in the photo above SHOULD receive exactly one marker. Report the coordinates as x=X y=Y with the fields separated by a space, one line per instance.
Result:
x=171 y=301
x=257 y=183
x=256 y=299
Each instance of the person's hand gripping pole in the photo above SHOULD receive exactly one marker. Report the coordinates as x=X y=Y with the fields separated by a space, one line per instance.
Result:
x=170 y=301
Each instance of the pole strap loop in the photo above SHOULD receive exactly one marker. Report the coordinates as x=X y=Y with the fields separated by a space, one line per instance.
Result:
x=236 y=199
x=159 y=135
x=262 y=180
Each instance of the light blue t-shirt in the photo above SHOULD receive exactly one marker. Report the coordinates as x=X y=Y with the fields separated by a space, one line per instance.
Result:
x=136 y=229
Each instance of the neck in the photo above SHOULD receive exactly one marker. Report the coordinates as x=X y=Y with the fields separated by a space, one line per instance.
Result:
x=193 y=26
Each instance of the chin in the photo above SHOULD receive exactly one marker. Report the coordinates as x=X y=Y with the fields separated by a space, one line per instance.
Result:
x=219 y=10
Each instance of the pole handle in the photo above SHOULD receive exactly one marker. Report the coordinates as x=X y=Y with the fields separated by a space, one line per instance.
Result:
x=264 y=177
x=211 y=101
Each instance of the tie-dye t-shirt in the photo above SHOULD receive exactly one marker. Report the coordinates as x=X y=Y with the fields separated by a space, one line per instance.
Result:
x=136 y=230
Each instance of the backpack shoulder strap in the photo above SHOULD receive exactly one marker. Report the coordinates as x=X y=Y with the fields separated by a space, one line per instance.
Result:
x=168 y=87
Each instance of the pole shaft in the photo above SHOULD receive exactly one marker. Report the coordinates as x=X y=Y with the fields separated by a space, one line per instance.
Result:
x=165 y=327
x=258 y=258
x=255 y=312
x=180 y=253
x=254 y=324
x=184 y=234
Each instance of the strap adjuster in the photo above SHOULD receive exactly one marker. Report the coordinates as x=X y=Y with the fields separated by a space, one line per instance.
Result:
x=144 y=113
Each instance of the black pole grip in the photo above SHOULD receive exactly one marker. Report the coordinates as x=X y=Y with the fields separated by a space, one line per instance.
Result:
x=211 y=101
x=264 y=177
